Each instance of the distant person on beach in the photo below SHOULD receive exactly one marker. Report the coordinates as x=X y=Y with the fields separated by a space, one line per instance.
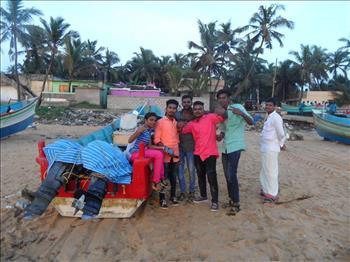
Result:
x=232 y=133
x=144 y=135
x=186 y=150
x=166 y=134
x=203 y=129
x=273 y=140
x=331 y=108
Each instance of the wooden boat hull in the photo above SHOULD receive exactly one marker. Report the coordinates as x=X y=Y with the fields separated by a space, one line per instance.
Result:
x=18 y=120
x=307 y=110
x=331 y=127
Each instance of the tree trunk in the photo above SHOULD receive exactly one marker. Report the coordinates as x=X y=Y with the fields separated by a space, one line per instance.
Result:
x=45 y=79
x=16 y=69
x=274 y=81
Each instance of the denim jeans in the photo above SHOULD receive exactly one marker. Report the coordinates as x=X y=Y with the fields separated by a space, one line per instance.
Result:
x=230 y=165
x=188 y=158
x=207 y=168
x=171 y=171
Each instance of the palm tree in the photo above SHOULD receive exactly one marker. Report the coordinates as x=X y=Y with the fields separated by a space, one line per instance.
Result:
x=109 y=59
x=93 y=54
x=144 y=66
x=36 y=59
x=264 y=24
x=304 y=64
x=287 y=79
x=319 y=66
x=74 y=60
x=56 y=31
x=339 y=60
x=13 y=26
x=346 y=41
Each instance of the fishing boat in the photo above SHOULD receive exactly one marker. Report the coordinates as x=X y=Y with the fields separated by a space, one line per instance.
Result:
x=332 y=127
x=16 y=117
x=121 y=200
x=306 y=110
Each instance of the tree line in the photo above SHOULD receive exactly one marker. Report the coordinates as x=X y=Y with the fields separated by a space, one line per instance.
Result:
x=224 y=52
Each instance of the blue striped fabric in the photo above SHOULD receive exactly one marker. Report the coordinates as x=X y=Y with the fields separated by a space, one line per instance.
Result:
x=97 y=156
x=144 y=137
x=107 y=160
x=67 y=151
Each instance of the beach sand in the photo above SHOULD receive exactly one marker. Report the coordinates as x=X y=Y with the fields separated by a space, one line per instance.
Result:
x=316 y=228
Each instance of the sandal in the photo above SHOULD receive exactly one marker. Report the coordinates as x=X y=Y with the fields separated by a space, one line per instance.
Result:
x=233 y=210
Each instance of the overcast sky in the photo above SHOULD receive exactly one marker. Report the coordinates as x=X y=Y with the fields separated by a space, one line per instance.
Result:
x=166 y=26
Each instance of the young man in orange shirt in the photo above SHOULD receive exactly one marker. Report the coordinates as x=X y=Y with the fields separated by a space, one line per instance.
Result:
x=166 y=135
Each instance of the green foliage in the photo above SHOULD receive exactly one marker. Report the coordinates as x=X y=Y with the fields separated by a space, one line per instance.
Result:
x=50 y=113
x=85 y=105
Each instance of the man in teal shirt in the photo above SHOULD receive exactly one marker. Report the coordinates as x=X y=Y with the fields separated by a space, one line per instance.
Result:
x=233 y=144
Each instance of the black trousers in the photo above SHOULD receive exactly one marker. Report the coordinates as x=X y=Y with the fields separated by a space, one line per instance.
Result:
x=207 y=168
x=171 y=171
x=230 y=164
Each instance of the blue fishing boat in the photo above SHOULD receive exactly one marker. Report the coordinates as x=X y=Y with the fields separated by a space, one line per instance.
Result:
x=332 y=127
x=16 y=117
x=305 y=110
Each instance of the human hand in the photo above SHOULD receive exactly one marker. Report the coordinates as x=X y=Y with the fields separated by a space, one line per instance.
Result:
x=142 y=128
x=181 y=124
x=237 y=111
x=220 y=136
x=283 y=148
x=219 y=110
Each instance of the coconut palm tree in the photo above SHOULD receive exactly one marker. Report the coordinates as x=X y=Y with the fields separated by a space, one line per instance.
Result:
x=339 y=60
x=319 y=66
x=14 y=20
x=304 y=63
x=144 y=65
x=56 y=30
x=263 y=25
x=287 y=80
x=74 y=60
x=36 y=54
x=346 y=42
x=109 y=60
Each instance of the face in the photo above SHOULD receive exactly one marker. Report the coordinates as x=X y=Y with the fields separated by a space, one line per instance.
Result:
x=171 y=110
x=186 y=103
x=269 y=107
x=224 y=100
x=198 y=111
x=151 y=121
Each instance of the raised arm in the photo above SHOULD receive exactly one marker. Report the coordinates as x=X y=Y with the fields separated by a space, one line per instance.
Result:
x=243 y=113
x=138 y=132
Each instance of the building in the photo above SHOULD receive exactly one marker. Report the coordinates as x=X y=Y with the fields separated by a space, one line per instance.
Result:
x=320 y=96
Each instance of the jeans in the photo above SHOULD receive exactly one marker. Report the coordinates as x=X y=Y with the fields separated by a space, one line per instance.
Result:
x=207 y=168
x=188 y=158
x=171 y=171
x=230 y=165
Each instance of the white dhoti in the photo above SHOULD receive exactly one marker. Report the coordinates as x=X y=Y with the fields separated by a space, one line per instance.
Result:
x=269 y=173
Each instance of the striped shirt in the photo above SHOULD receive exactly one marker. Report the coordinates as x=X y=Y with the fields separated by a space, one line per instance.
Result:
x=145 y=137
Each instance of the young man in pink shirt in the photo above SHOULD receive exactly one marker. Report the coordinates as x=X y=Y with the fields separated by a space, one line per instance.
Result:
x=203 y=129
x=166 y=135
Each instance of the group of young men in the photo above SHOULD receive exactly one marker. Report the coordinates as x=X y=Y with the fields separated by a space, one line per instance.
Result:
x=192 y=134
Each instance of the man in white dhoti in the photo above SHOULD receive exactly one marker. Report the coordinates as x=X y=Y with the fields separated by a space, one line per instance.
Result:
x=272 y=141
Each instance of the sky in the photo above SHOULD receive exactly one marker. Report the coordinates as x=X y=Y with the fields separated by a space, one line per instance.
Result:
x=166 y=27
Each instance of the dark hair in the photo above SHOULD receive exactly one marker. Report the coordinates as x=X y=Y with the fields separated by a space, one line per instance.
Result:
x=186 y=96
x=271 y=100
x=150 y=114
x=198 y=103
x=172 y=102
x=223 y=91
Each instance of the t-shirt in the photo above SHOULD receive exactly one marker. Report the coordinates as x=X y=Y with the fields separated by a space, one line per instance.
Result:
x=145 y=137
x=233 y=127
x=186 y=140
x=204 y=134
x=166 y=133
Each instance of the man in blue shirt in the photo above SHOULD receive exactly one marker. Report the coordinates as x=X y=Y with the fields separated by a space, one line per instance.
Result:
x=233 y=143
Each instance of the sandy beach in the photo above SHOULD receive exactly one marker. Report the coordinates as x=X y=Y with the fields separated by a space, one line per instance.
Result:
x=317 y=228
